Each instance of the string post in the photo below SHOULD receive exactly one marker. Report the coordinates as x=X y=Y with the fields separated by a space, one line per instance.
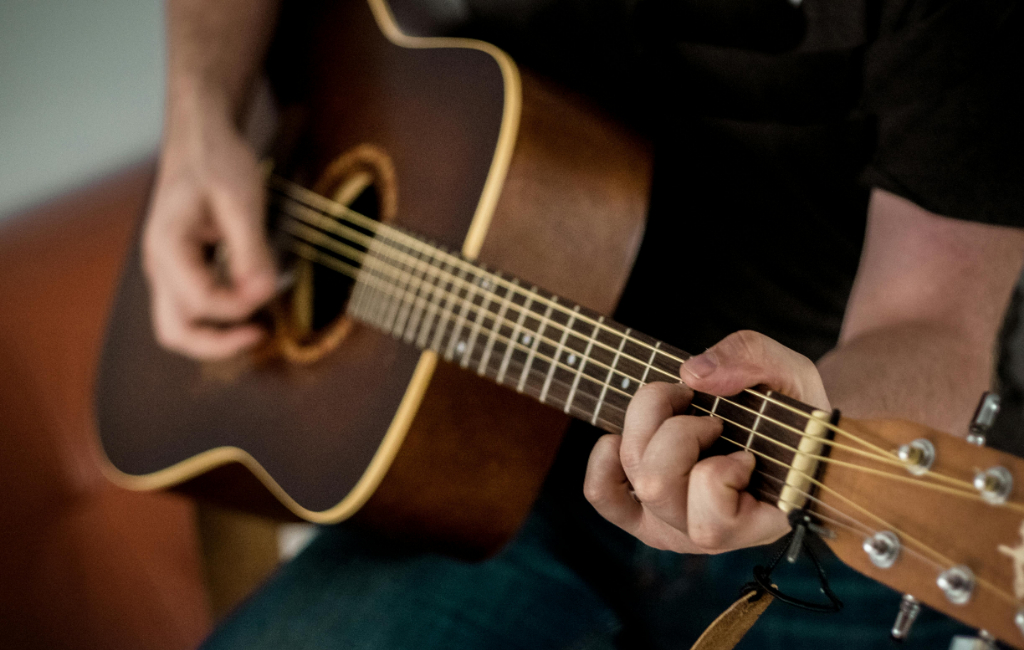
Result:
x=882 y=548
x=905 y=617
x=984 y=418
x=994 y=484
x=957 y=583
x=917 y=455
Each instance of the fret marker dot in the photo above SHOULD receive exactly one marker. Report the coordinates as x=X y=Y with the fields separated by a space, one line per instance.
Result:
x=625 y=382
x=484 y=284
x=571 y=359
x=460 y=348
x=527 y=339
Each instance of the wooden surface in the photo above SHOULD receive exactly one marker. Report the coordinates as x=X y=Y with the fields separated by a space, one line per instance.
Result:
x=962 y=530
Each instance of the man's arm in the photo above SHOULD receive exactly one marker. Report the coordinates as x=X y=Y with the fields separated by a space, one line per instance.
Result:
x=207 y=210
x=917 y=342
x=919 y=335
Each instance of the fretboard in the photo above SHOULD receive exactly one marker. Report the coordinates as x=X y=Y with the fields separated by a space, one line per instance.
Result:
x=520 y=336
x=558 y=352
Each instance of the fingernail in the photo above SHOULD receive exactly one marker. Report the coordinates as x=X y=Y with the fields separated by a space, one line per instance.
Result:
x=701 y=365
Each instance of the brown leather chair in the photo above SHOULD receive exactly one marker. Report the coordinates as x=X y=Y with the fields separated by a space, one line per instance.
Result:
x=82 y=564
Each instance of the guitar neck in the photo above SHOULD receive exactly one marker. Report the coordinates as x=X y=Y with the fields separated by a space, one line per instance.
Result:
x=527 y=339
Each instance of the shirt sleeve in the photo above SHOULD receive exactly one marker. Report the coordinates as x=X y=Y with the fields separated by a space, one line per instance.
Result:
x=943 y=84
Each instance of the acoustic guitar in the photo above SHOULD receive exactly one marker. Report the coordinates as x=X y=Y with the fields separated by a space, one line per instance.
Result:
x=413 y=169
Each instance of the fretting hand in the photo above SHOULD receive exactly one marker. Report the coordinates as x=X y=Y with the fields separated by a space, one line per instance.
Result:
x=649 y=481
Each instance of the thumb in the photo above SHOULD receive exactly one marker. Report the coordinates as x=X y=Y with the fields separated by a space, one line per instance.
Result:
x=250 y=261
x=745 y=359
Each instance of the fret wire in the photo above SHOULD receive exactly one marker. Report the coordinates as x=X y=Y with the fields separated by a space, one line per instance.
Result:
x=460 y=322
x=391 y=315
x=416 y=315
x=538 y=335
x=433 y=309
x=582 y=363
x=484 y=310
x=406 y=277
x=403 y=320
x=372 y=267
x=515 y=335
x=444 y=318
x=643 y=380
x=558 y=353
x=757 y=420
x=498 y=321
x=611 y=373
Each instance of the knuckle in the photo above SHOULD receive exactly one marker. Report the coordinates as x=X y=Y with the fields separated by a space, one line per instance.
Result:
x=595 y=493
x=652 y=489
x=744 y=344
x=703 y=475
x=708 y=536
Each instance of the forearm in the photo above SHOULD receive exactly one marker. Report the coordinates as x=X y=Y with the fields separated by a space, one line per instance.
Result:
x=215 y=52
x=924 y=373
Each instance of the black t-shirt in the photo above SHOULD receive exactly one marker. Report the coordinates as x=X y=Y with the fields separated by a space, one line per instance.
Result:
x=771 y=121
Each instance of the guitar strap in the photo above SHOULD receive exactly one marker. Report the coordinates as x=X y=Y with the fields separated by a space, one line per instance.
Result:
x=731 y=625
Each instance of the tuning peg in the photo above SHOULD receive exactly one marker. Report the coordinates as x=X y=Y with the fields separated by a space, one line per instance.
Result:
x=984 y=417
x=909 y=609
x=984 y=641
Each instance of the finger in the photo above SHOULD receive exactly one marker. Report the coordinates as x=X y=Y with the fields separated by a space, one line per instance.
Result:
x=174 y=332
x=606 y=486
x=661 y=479
x=176 y=265
x=649 y=408
x=746 y=359
x=722 y=515
x=607 y=489
x=239 y=207
x=196 y=289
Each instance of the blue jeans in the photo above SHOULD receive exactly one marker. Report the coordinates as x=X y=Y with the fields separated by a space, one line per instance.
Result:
x=569 y=580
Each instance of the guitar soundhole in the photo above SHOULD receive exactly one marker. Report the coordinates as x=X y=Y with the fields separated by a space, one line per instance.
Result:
x=311 y=320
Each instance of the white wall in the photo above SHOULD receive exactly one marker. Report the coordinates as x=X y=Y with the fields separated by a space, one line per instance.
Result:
x=81 y=92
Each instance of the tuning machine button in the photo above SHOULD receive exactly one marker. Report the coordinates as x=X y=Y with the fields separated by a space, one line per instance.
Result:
x=984 y=418
x=909 y=609
x=984 y=641
x=957 y=583
x=918 y=456
x=995 y=484
x=882 y=548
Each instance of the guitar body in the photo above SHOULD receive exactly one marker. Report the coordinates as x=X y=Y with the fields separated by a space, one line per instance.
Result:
x=472 y=154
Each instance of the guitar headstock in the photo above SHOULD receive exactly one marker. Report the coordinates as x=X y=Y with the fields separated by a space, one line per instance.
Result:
x=956 y=549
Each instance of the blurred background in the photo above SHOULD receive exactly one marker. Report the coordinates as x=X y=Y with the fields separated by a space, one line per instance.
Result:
x=81 y=92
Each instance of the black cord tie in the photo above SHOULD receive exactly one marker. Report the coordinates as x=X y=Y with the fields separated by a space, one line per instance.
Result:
x=795 y=541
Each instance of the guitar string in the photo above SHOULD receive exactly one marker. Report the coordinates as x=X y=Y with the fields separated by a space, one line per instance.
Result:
x=322 y=239
x=317 y=237
x=942 y=560
x=515 y=344
x=340 y=211
x=841 y=463
x=858 y=527
x=364 y=240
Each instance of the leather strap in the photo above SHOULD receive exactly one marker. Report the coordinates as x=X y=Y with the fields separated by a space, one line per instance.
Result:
x=730 y=627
